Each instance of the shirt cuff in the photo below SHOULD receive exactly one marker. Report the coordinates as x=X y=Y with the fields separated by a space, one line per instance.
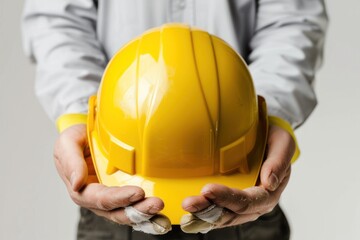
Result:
x=287 y=127
x=68 y=120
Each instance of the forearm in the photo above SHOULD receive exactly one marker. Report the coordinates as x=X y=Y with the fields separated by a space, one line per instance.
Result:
x=60 y=36
x=286 y=52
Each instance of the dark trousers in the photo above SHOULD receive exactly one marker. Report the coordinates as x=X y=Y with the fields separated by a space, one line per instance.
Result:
x=271 y=226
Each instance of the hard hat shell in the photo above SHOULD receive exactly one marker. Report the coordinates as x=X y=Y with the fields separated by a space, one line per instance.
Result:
x=177 y=109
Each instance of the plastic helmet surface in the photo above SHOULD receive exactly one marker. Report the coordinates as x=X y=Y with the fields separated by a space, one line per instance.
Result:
x=177 y=109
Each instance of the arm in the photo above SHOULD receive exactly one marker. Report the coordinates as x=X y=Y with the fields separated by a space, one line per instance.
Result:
x=286 y=51
x=60 y=36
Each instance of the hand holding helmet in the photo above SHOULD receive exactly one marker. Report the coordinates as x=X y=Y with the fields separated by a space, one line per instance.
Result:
x=74 y=165
x=234 y=206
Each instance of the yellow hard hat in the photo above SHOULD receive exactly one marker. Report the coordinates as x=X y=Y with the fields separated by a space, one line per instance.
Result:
x=177 y=109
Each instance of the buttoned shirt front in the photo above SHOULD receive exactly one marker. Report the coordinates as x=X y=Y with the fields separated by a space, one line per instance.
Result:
x=72 y=41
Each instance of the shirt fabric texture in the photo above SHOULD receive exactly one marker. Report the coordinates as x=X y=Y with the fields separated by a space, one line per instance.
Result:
x=71 y=42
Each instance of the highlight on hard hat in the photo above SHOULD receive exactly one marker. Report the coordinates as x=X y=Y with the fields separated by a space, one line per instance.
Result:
x=177 y=109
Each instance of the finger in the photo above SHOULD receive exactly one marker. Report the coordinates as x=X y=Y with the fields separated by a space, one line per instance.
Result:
x=231 y=219
x=161 y=224
x=150 y=205
x=98 y=196
x=259 y=202
x=69 y=157
x=194 y=223
x=119 y=215
x=204 y=215
x=157 y=225
x=234 y=199
x=190 y=223
x=195 y=203
x=262 y=201
x=281 y=148
x=254 y=200
x=148 y=223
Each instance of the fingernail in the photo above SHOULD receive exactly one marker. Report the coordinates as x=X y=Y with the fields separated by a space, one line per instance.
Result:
x=153 y=210
x=161 y=224
x=191 y=208
x=208 y=194
x=273 y=182
x=135 y=197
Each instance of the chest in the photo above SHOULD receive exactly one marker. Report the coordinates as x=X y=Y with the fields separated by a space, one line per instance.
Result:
x=120 y=21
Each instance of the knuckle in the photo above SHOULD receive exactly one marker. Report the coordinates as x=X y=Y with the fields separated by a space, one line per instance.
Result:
x=242 y=208
x=285 y=164
x=75 y=198
x=100 y=204
x=113 y=217
x=103 y=203
x=230 y=222
x=243 y=204
x=221 y=201
x=228 y=218
x=252 y=207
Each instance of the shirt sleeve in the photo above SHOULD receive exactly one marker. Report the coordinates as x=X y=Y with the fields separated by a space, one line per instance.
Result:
x=286 y=50
x=60 y=36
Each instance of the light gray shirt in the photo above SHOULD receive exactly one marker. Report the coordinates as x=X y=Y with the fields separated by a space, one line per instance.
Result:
x=72 y=41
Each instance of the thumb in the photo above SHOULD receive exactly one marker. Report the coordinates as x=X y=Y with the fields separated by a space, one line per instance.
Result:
x=281 y=148
x=69 y=156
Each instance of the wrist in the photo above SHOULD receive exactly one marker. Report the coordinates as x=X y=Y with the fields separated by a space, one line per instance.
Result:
x=277 y=121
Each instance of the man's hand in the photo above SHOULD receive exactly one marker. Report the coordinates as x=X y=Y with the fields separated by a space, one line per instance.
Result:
x=123 y=205
x=219 y=206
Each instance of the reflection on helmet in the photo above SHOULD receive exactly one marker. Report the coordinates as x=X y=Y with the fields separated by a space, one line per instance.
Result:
x=177 y=109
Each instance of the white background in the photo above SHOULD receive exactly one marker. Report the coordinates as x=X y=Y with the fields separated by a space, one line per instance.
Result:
x=322 y=200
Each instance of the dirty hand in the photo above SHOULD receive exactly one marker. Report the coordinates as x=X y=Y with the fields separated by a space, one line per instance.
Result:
x=219 y=206
x=123 y=205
